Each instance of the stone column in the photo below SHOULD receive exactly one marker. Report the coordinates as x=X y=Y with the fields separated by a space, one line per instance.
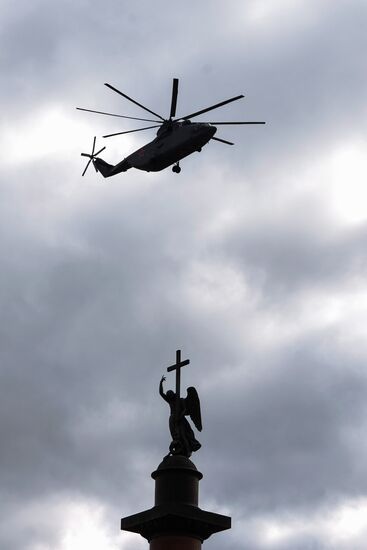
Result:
x=176 y=522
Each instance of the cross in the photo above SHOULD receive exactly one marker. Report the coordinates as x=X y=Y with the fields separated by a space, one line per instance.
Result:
x=177 y=367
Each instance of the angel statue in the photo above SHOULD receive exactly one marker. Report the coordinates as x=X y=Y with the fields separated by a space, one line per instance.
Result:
x=183 y=438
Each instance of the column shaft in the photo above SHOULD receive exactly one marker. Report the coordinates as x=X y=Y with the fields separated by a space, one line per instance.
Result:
x=171 y=542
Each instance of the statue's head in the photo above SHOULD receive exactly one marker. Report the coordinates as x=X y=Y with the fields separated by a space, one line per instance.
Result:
x=170 y=395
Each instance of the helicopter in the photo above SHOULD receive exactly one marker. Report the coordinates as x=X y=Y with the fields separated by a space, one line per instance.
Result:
x=175 y=139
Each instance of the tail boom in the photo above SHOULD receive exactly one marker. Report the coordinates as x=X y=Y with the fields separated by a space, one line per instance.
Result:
x=108 y=170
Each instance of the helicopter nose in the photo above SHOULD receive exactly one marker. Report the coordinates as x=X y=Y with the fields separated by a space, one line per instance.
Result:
x=207 y=131
x=212 y=129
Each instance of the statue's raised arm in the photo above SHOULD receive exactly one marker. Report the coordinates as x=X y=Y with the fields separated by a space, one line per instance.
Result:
x=161 y=391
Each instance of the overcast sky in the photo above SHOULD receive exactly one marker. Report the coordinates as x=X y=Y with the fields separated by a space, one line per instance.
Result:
x=253 y=261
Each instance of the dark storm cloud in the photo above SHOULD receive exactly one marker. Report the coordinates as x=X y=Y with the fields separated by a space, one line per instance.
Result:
x=298 y=254
x=308 y=404
x=96 y=297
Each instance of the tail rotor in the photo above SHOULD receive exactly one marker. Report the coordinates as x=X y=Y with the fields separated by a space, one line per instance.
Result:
x=92 y=156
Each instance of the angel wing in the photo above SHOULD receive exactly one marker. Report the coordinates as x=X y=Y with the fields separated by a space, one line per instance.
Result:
x=192 y=403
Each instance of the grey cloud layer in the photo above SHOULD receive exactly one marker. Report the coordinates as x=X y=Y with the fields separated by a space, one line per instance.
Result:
x=97 y=291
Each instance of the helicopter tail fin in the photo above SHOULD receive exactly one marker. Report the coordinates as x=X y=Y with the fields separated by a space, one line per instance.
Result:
x=102 y=166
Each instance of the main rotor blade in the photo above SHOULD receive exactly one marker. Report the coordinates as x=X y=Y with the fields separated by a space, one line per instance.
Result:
x=223 y=141
x=174 y=98
x=120 y=116
x=131 y=131
x=197 y=113
x=94 y=144
x=218 y=123
x=133 y=100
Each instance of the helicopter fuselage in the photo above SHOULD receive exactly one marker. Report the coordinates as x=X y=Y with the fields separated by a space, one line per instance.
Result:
x=174 y=141
x=176 y=138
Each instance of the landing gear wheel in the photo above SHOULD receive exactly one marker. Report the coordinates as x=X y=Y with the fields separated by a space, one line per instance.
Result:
x=176 y=168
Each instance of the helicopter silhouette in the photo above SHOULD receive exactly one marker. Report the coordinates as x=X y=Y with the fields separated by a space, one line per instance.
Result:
x=176 y=138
